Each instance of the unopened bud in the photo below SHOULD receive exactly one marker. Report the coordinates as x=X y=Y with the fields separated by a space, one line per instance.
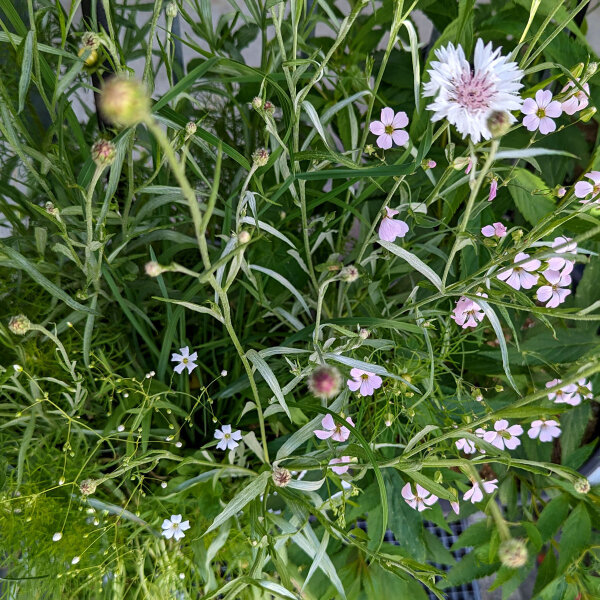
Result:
x=260 y=157
x=587 y=113
x=124 y=102
x=513 y=553
x=153 y=269
x=52 y=210
x=281 y=477
x=498 y=123
x=87 y=487
x=517 y=234
x=389 y=419
x=461 y=163
x=364 y=333
x=103 y=153
x=269 y=107
x=427 y=163
x=171 y=10
x=190 y=129
x=369 y=149
x=325 y=382
x=243 y=237
x=257 y=103
x=577 y=70
x=591 y=69
x=582 y=486
x=19 y=325
x=349 y=274
x=90 y=42
x=560 y=191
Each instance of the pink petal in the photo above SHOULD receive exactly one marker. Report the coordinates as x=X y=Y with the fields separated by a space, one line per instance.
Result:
x=514 y=281
x=583 y=189
x=377 y=128
x=353 y=384
x=323 y=435
x=528 y=280
x=328 y=422
x=385 y=141
x=570 y=106
x=390 y=212
x=488 y=231
x=387 y=116
x=547 y=125
x=400 y=137
x=529 y=106
x=356 y=373
x=400 y=120
x=543 y=98
x=531 y=122
x=406 y=492
x=366 y=388
x=544 y=293
x=533 y=432
x=594 y=176
x=554 y=109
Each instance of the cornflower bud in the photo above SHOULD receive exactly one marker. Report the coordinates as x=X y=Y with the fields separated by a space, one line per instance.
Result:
x=498 y=123
x=513 y=553
x=124 y=102
x=281 y=477
x=19 y=325
x=171 y=10
x=349 y=274
x=325 y=382
x=260 y=157
x=103 y=153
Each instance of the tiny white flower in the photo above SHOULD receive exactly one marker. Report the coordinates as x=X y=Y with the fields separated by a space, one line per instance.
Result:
x=17 y=368
x=185 y=360
x=163 y=484
x=223 y=373
x=75 y=560
x=178 y=444
x=467 y=446
x=228 y=440
x=174 y=527
x=57 y=537
x=565 y=394
x=583 y=391
x=182 y=576
x=121 y=428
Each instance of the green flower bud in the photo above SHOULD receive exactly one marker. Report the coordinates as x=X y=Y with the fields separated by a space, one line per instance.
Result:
x=582 y=486
x=260 y=157
x=19 y=325
x=103 y=153
x=498 y=123
x=513 y=553
x=171 y=10
x=587 y=113
x=124 y=102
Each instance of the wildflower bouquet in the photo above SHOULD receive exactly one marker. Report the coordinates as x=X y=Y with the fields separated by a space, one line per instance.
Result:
x=283 y=285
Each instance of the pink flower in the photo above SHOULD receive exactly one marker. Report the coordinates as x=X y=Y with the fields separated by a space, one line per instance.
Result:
x=493 y=189
x=469 y=167
x=577 y=99
x=563 y=395
x=562 y=245
x=546 y=430
x=363 y=382
x=455 y=507
x=497 y=229
x=340 y=470
x=584 y=188
x=333 y=430
x=561 y=191
x=520 y=276
x=467 y=446
x=504 y=435
x=480 y=432
x=390 y=128
x=421 y=501
x=391 y=228
x=541 y=111
x=555 y=293
x=476 y=495
x=431 y=164
x=467 y=313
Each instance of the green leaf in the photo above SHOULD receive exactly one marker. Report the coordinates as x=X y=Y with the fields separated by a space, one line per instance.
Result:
x=284 y=282
x=415 y=262
x=529 y=193
x=575 y=537
x=267 y=374
x=554 y=513
x=25 y=78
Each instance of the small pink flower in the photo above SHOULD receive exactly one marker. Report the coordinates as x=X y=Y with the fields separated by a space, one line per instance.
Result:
x=521 y=276
x=541 y=111
x=577 y=99
x=583 y=189
x=561 y=191
x=340 y=470
x=497 y=229
x=493 y=189
x=467 y=446
x=476 y=495
x=583 y=390
x=562 y=245
x=469 y=167
x=546 y=430
x=363 y=382
x=480 y=432
x=563 y=395
x=333 y=430
x=467 y=313
x=431 y=164
x=391 y=228
x=421 y=501
x=455 y=507
x=504 y=435
x=390 y=128
x=555 y=292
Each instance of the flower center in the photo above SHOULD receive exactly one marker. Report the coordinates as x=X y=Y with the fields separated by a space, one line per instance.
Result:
x=541 y=113
x=504 y=434
x=185 y=361
x=227 y=436
x=474 y=92
x=364 y=376
x=389 y=129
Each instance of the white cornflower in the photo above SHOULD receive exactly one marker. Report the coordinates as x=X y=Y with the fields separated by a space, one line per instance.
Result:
x=174 y=528
x=468 y=95
x=227 y=439
x=185 y=360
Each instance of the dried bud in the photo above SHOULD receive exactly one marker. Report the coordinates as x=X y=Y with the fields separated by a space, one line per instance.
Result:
x=190 y=129
x=243 y=237
x=498 y=123
x=171 y=10
x=124 y=102
x=87 y=487
x=260 y=157
x=269 y=107
x=325 y=382
x=19 y=325
x=52 y=210
x=103 y=153
x=364 y=333
x=582 y=486
x=587 y=113
x=257 y=103
x=281 y=477
x=153 y=269
x=513 y=553
x=591 y=69
x=349 y=274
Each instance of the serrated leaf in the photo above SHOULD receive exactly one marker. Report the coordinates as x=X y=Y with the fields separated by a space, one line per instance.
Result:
x=527 y=191
x=575 y=537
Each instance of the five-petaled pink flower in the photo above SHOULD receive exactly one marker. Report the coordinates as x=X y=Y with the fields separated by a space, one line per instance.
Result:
x=390 y=128
x=493 y=189
x=363 y=382
x=421 y=501
x=475 y=494
x=504 y=435
x=496 y=229
x=467 y=313
x=577 y=99
x=546 y=430
x=391 y=228
x=333 y=430
x=562 y=245
x=521 y=276
x=340 y=470
x=541 y=111
x=555 y=292
x=583 y=189
x=467 y=446
x=563 y=395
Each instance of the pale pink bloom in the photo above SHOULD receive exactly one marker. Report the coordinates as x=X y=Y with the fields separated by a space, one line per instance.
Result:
x=185 y=360
x=577 y=99
x=455 y=507
x=563 y=395
x=174 y=527
x=391 y=228
x=541 y=111
x=390 y=128
x=493 y=189
x=545 y=430
x=583 y=391
x=555 y=292
x=496 y=229
x=364 y=382
x=469 y=166
x=333 y=430
x=561 y=245
x=585 y=188
x=228 y=440
x=431 y=164
x=520 y=276
x=467 y=446
x=421 y=501
x=340 y=470
x=467 y=313
x=480 y=432
x=561 y=191
x=504 y=435
x=476 y=495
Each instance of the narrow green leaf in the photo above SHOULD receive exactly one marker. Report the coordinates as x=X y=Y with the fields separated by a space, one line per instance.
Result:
x=267 y=374
x=413 y=261
x=25 y=78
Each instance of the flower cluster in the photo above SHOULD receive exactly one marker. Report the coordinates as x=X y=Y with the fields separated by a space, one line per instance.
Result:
x=572 y=393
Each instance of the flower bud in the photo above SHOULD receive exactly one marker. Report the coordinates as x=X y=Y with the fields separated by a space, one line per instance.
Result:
x=190 y=129
x=591 y=69
x=577 y=70
x=90 y=42
x=269 y=107
x=427 y=163
x=389 y=419
x=560 y=191
x=281 y=477
x=171 y=10
x=498 y=123
x=260 y=157
x=19 y=325
x=460 y=163
x=103 y=153
x=257 y=103
x=153 y=269
x=124 y=102
x=87 y=487
x=364 y=333
x=513 y=553
x=349 y=274
x=587 y=113
x=52 y=210
x=369 y=149
x=582 y=486
x=243 y=237
x=325 y=382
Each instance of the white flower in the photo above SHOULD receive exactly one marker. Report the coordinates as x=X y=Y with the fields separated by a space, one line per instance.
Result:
x=583 y=391
x=475 y=494
x=121 y=428
x=556 y=292
x=496 y=230
x=363 y=382
x=185 y=360
x=520 y=276
x=541 y=111
x=57 y=537
x=227 y=438
x=545 y=430
x=467 y=97
x=565 y=394
x=223 y=373
x=174 y=528
x=342 y=469
x=421 y=501
x=75 y=560
x=467 y=446
x=504 y=435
